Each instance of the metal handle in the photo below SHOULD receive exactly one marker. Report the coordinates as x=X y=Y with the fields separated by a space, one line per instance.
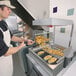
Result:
x=71 y=36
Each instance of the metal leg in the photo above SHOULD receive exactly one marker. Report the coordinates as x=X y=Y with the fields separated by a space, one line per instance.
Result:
x=66 y=61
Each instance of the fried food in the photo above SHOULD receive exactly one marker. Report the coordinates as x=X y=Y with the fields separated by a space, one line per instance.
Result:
x=53 y=51
x=47 y=57
x=43 y=44
x=46 y=48
x=52 y=60
x=56 y=52
x=40 y=52
x=41 y=39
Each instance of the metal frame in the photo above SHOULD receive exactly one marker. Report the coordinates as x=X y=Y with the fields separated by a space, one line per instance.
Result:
x=55 y=22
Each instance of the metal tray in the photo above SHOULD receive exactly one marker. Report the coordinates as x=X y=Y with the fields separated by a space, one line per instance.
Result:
x=55 y=46
x=45 y=54
x=59 y=58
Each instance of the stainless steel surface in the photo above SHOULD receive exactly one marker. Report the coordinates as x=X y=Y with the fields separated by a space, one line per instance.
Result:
x=17 y=66
x=12 y=23
x=71 y=35
x=53 y=46
x=37 y=70
x=55 y=22
x=52 y=21
x=51 y=70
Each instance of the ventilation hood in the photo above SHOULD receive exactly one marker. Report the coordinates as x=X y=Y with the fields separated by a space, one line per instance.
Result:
x=29 y=10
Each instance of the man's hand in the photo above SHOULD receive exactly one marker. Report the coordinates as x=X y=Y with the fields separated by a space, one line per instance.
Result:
x=22 y=44
x=30 y=42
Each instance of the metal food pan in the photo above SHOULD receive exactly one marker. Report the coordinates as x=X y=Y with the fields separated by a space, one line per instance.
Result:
x=55 y=46
x=45 y=54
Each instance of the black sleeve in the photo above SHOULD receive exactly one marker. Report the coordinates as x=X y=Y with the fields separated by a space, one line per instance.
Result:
x=11 y=34
x=3 y=46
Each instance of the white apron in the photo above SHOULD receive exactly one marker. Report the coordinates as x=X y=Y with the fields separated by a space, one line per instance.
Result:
x=6 y=64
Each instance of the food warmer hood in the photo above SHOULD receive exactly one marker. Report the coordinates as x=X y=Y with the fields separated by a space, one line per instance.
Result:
x=49 y=69
x=54 y=22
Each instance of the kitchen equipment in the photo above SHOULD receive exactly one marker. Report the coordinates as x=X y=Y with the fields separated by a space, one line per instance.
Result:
x=51 y=69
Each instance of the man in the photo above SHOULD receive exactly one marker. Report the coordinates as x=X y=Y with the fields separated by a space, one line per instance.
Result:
x=6 y=66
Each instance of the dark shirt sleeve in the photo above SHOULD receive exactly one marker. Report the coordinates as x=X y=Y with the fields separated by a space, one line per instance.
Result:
x=3 y=47
x=11 y=34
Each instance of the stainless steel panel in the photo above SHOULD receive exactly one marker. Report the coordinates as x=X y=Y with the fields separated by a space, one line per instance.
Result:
x=52 y=70
x=52 y=21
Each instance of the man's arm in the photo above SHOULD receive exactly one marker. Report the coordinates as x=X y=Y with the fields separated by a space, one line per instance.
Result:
x=17 y=39
x=12 y=50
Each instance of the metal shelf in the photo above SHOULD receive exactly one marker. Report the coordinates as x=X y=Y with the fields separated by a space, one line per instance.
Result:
x=52 y=21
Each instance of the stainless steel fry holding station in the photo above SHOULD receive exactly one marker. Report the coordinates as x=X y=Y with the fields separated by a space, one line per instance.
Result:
x=38 y=65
